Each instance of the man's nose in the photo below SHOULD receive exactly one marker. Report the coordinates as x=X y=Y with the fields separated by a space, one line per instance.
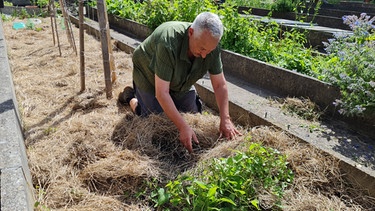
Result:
x=203 y=54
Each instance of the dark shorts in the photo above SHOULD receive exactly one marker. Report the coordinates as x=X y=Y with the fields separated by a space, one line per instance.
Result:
x=190 y=103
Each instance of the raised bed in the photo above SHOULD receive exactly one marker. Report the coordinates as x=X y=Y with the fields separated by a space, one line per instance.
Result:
x=358 y=7
x=320 y=19
x=16 y=9
x=316 y=33
x=329 y=15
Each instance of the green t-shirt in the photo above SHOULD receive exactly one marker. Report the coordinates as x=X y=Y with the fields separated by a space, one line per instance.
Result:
x=165 y=53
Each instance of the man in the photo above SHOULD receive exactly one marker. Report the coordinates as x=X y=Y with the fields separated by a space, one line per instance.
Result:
x=168 y=64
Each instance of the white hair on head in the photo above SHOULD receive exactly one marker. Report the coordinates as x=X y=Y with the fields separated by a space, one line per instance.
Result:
x=208 y=21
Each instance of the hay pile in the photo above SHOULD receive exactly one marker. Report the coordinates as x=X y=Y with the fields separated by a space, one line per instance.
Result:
x=89 y=153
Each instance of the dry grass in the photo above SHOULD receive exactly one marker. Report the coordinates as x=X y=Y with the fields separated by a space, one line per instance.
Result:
x=90 y=153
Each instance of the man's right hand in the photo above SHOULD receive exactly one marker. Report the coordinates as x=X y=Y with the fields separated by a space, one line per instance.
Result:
x=187 y=134
x=165 y=100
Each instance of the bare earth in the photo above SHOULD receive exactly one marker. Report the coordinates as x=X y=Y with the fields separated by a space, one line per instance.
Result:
x=87 y=152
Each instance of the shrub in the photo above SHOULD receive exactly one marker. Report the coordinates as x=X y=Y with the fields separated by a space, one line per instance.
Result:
x=351 y=65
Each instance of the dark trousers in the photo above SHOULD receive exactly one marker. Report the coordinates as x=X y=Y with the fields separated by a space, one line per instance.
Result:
x=189 y=103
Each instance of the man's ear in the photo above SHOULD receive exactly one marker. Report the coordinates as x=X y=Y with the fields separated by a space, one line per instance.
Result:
x=191 y=31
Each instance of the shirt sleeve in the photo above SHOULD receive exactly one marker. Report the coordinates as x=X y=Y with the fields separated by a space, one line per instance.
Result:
x=216 y=66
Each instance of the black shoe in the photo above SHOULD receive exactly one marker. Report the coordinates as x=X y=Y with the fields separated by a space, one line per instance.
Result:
x=126 y=96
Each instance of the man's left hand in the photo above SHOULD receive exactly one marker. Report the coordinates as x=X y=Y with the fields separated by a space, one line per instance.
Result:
x=228 y=130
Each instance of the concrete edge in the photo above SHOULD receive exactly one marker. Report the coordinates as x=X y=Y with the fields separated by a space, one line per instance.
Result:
x=15 y=178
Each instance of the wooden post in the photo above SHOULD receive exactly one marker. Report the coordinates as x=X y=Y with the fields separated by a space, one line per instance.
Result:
x=81 y=46
x=105 y=40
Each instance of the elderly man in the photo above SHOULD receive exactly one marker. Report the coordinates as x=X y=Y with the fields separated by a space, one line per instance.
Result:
x=168 y=64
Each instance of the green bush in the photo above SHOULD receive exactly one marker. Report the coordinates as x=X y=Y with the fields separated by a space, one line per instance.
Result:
x=350 y=65
x=284 y=5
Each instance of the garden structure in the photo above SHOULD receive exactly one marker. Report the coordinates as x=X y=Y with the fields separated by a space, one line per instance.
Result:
x=250 y=102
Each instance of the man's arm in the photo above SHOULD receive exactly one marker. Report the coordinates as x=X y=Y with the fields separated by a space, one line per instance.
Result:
x=169 y=108
x=219 y=85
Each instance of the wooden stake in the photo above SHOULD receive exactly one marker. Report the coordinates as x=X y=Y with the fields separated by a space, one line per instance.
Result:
x=81 y=46
x=67 y=24
x=70 y=31
x=105 y=40
x=51 y=14
x=112 y=62
x=54 y=19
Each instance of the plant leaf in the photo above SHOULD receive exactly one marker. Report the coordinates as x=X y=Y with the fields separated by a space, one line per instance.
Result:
x=230 y=201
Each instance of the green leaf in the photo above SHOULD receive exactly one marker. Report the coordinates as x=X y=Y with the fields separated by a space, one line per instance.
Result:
x=36 y=204
x=191 y=190
x=162 y=197
x=255 y=203
x=230 y=201
x=212 y=192
x=200 y=184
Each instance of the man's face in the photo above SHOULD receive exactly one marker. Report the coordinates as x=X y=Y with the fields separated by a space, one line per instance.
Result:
x=200 y=46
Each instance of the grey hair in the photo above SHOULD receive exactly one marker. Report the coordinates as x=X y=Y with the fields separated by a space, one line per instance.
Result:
x=208 y=21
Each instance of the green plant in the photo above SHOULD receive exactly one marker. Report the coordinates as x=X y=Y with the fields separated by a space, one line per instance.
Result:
x=266 y=4
x=232 y=183
x=40 y=192
x=30 y=25
x=158 y=12
x=23 y=14
x=304 y=8
x=50 y=130
x=42 y=3
x=8 y=3
x=350 y=66
x=5 y=17
x=265 y=41
x=284 y=6
x=188 y=10
x=125 y=9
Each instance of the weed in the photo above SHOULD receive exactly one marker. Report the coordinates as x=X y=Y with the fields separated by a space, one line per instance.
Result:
x=5 y=17
x=50 y=130
x=40 y=195
x=232 y=183
x=304 y=108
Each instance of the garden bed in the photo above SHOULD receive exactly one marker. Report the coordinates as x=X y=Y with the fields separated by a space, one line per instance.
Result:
x=329 y=15
x=90 y=153
x=321 y=19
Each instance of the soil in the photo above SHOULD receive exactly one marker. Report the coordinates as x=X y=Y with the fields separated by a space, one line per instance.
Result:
x=88 y=152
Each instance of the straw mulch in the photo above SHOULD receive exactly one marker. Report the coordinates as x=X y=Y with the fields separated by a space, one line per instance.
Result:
x=87 y=152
